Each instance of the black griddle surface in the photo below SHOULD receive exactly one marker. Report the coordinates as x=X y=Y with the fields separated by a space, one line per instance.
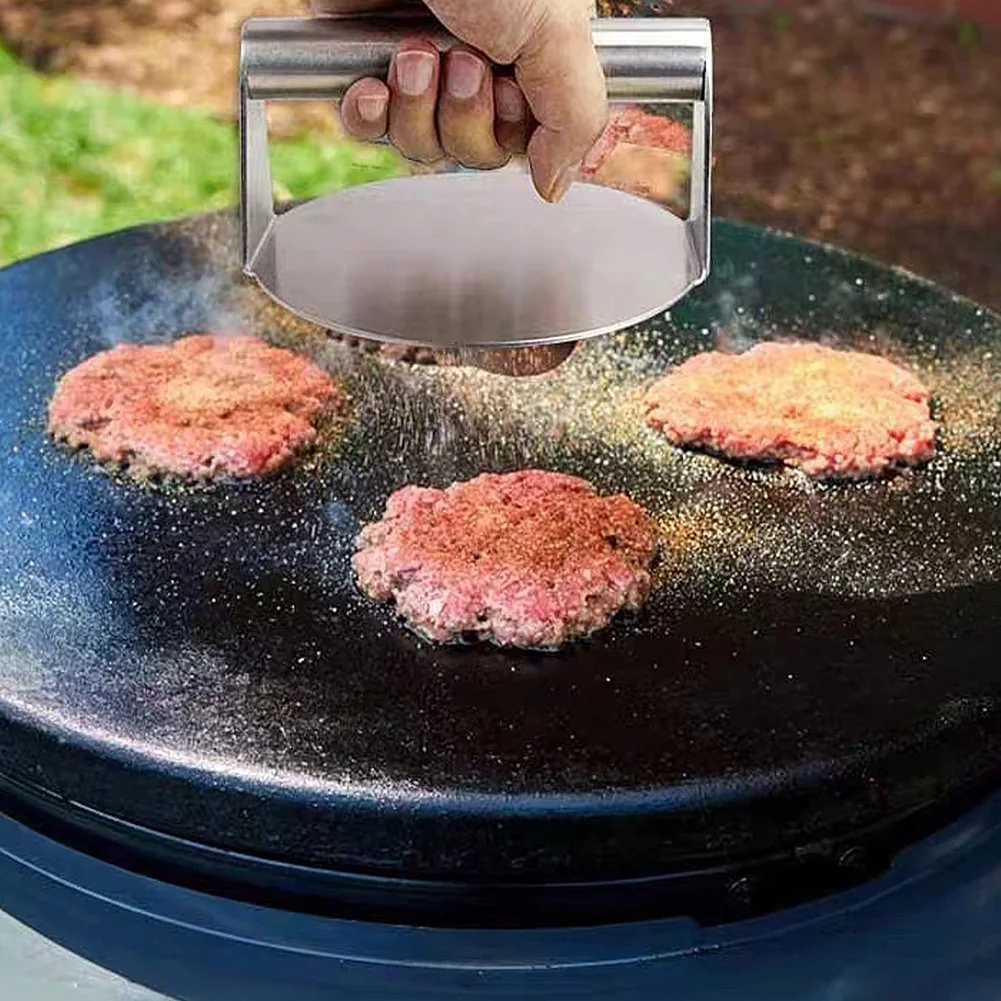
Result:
x=815 y=663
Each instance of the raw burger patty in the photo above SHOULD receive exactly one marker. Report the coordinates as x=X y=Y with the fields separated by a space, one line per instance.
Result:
x=832 y=413
x=641 y=153
x=528 y=559
x=203 y=407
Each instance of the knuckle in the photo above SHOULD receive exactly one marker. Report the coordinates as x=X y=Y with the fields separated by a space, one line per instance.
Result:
x=502 y=50
x=481 y=159
x=472 y=143
x=481 y=152
x=411 y=42
x=508 y=39
x=416 y=149
x=420 y=155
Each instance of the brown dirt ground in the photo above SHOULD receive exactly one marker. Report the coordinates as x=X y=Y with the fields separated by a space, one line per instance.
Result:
x=880 y=136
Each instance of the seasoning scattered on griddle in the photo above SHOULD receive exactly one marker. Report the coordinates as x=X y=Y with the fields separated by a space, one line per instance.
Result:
x=745 y=529
x=529 y=559
x=833 y=414
x=203 y=408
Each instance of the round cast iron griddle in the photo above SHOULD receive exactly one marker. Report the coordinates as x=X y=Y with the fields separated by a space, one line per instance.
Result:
x=189 y=681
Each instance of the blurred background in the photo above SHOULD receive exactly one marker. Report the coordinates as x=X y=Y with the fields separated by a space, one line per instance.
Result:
x=875 y=126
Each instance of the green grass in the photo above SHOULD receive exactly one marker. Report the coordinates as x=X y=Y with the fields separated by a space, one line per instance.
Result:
x=78 y=159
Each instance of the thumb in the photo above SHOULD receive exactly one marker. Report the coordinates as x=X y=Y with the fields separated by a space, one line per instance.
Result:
x=561 y=76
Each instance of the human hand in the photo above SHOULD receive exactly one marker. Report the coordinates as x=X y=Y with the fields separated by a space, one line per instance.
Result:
x=459 y=105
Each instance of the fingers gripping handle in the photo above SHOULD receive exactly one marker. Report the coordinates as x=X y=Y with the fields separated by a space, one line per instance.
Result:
x=644 y=59
x=319 y=58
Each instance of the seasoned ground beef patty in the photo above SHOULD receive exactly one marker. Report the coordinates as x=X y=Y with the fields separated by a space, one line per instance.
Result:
x=833 y=414
x=529 y=559
x=204 y=407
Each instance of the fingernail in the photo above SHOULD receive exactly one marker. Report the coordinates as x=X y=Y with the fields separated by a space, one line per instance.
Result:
x=464 y=76
x=372 y=107
x=564 y=179
x=414 y=70
x=510 y=103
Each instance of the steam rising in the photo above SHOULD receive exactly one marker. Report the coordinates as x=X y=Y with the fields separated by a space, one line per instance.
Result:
x=150 y=310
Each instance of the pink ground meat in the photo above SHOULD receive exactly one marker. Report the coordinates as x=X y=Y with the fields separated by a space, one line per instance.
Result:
x=833 y=414
x=204 y=407
x=529 y=559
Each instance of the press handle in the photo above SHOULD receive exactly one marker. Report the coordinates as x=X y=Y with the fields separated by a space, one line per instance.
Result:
x=319 y=58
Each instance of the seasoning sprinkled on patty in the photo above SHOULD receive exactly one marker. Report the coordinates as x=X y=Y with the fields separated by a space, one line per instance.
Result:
x=205 y=407
x=833 y=414
x=529 y=559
